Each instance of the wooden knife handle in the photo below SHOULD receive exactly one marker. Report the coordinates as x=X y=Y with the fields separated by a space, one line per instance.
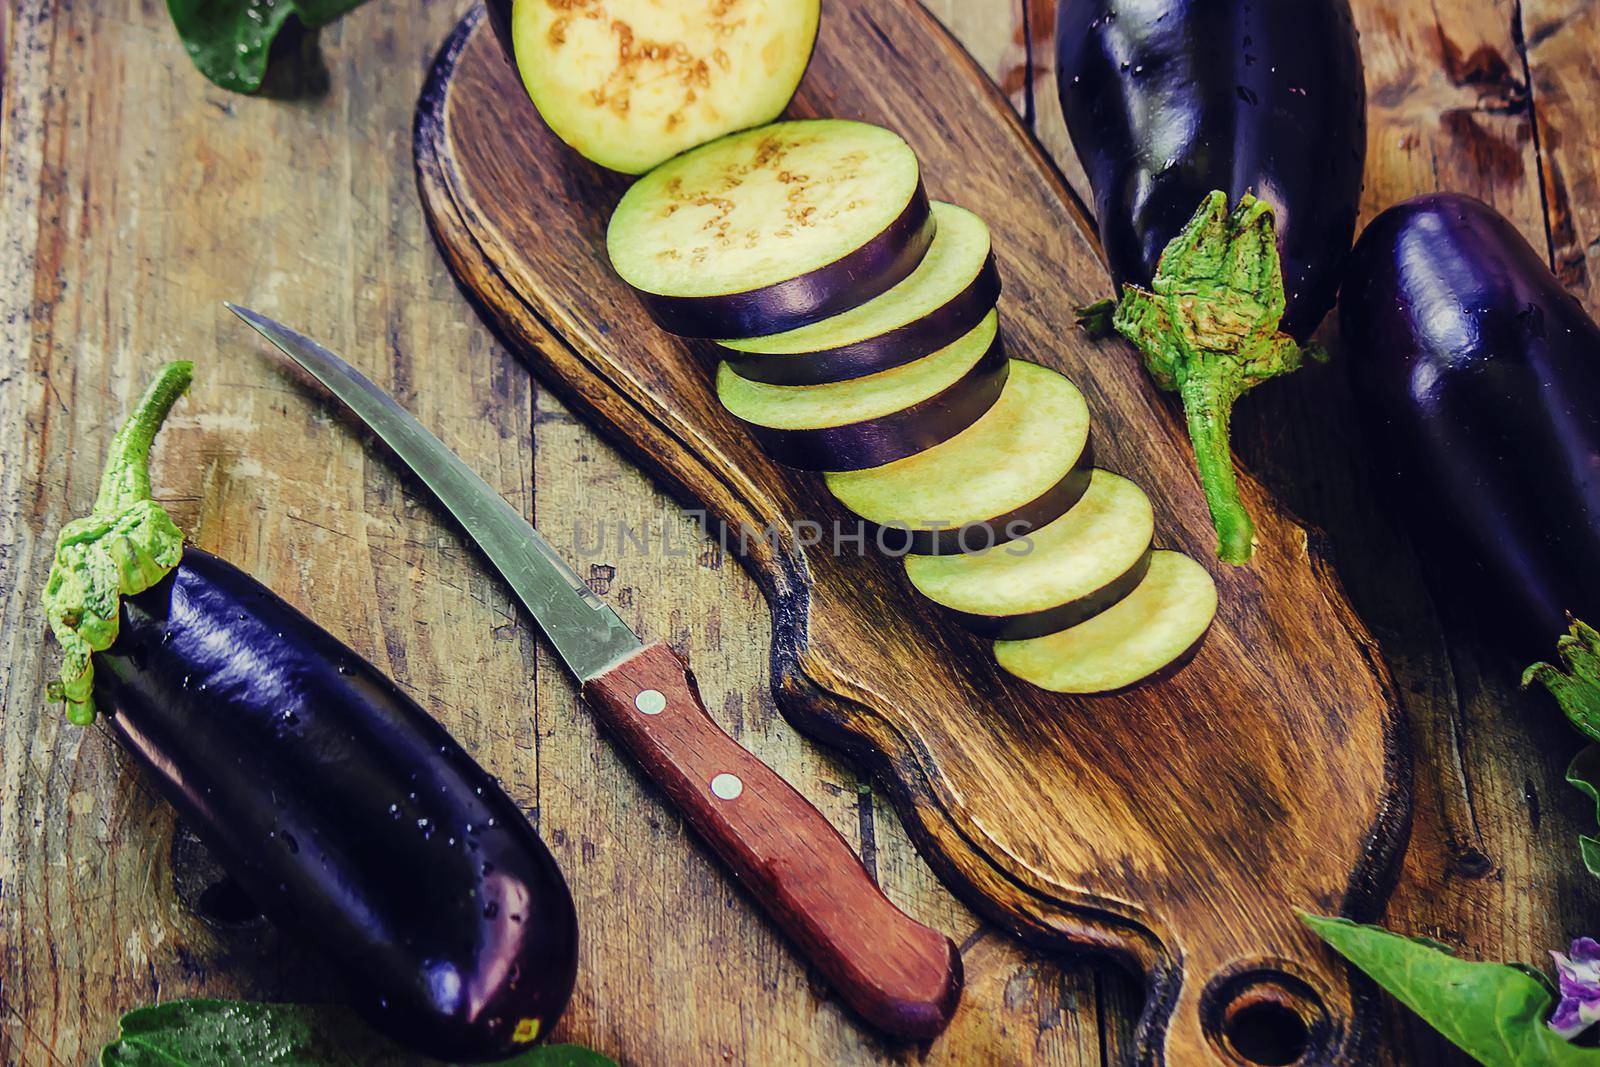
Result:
x=901 y=976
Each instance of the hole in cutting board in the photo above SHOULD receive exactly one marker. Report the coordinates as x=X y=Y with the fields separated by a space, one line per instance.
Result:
x=1268 y=1033
x=1265 y=1017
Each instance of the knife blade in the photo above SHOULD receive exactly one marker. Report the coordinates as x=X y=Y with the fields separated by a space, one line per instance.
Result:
x=900 y=975
x=587 y=635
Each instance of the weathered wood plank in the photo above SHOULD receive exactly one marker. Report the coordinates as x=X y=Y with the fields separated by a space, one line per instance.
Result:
x=1027 y=73
x=1558 y=51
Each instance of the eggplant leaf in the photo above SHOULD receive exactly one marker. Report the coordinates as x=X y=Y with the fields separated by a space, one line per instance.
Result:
x=229 y=40
x=229 y=1033
x=1494 y=1012
x=1577 y=690
x=1584 y=773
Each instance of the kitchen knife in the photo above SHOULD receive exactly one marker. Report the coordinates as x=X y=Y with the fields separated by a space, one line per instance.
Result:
x=901 y=976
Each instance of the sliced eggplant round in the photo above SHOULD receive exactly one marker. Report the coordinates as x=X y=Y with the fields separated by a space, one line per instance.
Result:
x=949 y=293
x=773 y=228
x=1153 y=628
x=1019 y=467
x=1057 y=576
x=630 y=83
x=867 y=422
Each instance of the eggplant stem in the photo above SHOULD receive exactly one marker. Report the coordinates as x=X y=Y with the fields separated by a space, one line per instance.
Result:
x=126 y=478
x=1208 y=395
x=126 y=544
x=1208 y=327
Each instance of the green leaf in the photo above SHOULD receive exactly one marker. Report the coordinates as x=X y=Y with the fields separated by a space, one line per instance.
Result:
x=1577 y=689
x=230 y=40
x=1494 y=1012
x=228 y=1033
x=1584 y=774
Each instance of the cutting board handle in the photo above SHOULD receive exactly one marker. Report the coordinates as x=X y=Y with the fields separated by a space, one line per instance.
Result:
x=901 y=976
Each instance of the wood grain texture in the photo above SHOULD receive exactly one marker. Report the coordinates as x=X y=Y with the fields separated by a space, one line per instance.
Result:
x=134 y=196
x=1175 y=826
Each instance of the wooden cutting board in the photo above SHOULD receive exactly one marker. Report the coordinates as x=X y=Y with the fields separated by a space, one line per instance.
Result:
x=1174 y=827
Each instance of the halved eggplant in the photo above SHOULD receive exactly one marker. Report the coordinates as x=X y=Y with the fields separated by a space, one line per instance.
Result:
x=1058 y=576
x=867 y=422
x=630 y=83
x=1152 y=629
x=1019 y=467
x=949 y=293
x=773 y=228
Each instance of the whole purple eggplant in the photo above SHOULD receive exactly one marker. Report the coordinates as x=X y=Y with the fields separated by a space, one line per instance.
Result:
x=348 y=814
x=1480 y=375
x=1224 y=141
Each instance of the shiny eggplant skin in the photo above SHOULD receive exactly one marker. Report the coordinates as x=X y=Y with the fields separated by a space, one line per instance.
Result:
x=1480 y=377
x=1167 y=101
x=348 y=814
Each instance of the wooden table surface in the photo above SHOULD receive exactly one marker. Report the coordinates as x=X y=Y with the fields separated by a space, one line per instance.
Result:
x=134 y=196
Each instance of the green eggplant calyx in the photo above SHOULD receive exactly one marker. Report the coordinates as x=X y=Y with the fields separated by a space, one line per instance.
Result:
x=1576 y=689
x=1096 y=319
x=1208 y=329
x=126 y=544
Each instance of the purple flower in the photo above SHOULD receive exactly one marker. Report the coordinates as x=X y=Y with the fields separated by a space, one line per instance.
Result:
x=1579 y=974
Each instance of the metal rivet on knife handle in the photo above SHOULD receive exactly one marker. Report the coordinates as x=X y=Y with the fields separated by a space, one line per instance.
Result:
x=650 y=702
x=904 y=977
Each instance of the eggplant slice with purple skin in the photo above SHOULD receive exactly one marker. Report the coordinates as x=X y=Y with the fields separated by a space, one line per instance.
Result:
x=949 y=293
x=1147 y=634
x=867 y=422
x=1183 y=114
x=772 y=229
x=1479 y=376
x=1057 y=576
x=345 y=811
x=1027 y=461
